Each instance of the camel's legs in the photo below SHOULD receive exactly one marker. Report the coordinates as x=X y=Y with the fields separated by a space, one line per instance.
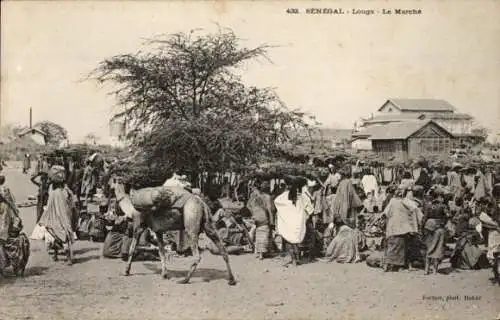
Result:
x=196 y=255
x=212 y=234
x=133 y=245
x=163 y=255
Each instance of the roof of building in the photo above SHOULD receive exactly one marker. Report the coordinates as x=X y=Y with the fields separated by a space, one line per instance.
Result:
x=395 y=130
x=414 y=116
x=31 y=130
x=421 y=105
x=392 y=117
x=444 y=116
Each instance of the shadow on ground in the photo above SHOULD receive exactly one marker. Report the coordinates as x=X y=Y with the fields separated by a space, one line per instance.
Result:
x=85 y=259
x=10 y=278
x=85 y=250
x=204 y=273
x=447 y=270
x=35 y=271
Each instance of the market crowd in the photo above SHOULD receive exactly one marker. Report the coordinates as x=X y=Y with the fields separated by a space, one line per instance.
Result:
x=399 y=217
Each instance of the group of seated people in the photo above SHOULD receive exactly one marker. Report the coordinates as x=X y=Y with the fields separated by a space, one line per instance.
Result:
x=411 y=225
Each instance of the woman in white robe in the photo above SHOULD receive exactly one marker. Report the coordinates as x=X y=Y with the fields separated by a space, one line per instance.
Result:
x=291 y=220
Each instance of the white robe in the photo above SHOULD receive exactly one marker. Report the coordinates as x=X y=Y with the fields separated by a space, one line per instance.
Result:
x=291 y=220
x=369 y=183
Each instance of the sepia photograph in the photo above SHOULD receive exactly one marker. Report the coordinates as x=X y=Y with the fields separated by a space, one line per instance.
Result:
x=250 y=159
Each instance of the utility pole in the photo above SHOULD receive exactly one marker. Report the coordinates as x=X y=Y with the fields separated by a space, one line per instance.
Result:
x=31 y=118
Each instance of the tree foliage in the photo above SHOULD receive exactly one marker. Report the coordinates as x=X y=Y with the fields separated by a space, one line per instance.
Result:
x=11 y=130
x=481 y=133
x=55 y=133
x=190 y=109
x=91 y=138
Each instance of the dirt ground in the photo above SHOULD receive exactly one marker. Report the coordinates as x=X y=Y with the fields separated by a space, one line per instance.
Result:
x=94 y=289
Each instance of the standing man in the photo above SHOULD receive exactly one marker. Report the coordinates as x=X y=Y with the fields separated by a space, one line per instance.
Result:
x=88 y=183
x=306 y=203
x=43 y=191
x=332 y=182
x=26 y=163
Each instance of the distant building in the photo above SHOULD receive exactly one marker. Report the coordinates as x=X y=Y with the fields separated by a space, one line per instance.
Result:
x=410 y=139
x=333 y=138
x=35 y=134
x=460 y=125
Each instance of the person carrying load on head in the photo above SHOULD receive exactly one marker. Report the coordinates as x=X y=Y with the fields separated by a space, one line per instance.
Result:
x=59 y=217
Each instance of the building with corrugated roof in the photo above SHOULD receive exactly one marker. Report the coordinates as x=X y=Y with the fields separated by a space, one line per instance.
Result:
x=442 y=112
x=404 y=111
x=410 y=139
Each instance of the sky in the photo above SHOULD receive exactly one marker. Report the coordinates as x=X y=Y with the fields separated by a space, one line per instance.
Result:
x=338 y=68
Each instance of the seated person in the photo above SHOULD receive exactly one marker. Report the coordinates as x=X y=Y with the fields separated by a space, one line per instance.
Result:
x=467 y=255
x=233 y=234
x=14 y=245
x=118 y=240
x=345 y=245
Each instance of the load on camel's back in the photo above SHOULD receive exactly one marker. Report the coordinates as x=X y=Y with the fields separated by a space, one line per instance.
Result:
x=152 y=198
x=172 y=194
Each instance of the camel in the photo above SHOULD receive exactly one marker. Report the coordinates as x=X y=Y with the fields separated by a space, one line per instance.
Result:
x=194 y=218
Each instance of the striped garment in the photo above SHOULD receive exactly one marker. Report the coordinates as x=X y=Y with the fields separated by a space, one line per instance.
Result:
x=262 y=239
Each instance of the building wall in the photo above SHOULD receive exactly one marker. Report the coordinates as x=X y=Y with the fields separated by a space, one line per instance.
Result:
x=390 y=148
x=453 y=126
x=429 y=146
x=38 y=138
x=456 y=126
x=362 y=144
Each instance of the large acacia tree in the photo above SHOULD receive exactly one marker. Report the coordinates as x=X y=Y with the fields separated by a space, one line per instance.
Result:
x=189 y=107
